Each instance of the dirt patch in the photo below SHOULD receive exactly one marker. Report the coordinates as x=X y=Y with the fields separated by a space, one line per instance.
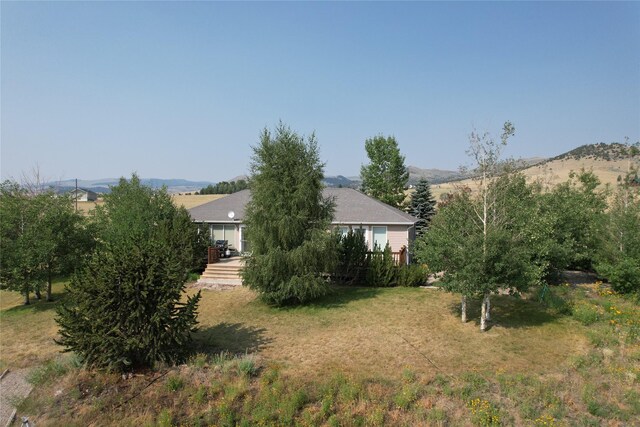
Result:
x=575 y=277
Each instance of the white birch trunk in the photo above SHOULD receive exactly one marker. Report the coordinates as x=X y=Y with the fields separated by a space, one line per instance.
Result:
x=483 y=315
x=463 y=309
x=488 y=303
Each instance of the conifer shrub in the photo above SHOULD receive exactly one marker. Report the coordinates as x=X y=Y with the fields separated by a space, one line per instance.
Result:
x=412 y=275
x=126 y=307
x=352 y=258
x=382 y=270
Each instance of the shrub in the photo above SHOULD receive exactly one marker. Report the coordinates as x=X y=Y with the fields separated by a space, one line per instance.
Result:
x=624 y=276
x=412 y=275
x=247 y=366
x=382 y=271
x=352 y=264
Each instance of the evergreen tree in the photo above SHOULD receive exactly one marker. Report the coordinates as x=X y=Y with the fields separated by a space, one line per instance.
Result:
x=422 y=206
x=386 y=176
x=126 y=308
x=287 y=219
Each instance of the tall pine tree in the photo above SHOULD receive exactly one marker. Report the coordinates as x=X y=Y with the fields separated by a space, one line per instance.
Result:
x=422 y=206
x=287 y=219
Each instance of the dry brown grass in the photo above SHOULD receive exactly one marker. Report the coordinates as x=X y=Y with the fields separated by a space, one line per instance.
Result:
x=378 y=332
x=554 y=173
x=191 y=201
x=365 y=332
x=27 y=332
x=187 y=200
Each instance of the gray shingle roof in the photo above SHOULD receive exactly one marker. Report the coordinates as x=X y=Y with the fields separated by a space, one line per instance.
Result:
x=352 y=207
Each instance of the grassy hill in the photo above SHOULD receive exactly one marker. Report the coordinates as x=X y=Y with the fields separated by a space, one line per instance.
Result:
x=607 y=161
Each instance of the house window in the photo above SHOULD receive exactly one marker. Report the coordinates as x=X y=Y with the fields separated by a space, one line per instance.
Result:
x=223 y=232
x=344 y=230
x=244 y=243
x=379 y=237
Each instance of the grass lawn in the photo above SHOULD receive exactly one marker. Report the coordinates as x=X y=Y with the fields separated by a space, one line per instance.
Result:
x=376 y=332
x=27 y=331
x=360 y=357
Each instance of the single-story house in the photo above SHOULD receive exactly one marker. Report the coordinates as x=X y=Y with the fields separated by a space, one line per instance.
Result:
x=83 y=195
x=380 y=222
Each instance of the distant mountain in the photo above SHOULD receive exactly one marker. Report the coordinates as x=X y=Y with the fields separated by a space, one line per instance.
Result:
x=340 y=181
x=101 y=186
x=239 y=178
x=434 y=176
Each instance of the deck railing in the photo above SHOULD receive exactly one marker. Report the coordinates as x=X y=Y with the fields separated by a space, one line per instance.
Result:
x=399 y=258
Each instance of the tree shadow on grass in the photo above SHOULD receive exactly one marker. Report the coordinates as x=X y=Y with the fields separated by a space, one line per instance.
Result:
x=232 y=337
x=35 y=306
x=508 y=312
x=339 y=296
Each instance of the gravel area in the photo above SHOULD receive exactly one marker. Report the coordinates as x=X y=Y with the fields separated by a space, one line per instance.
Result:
x=13 y=388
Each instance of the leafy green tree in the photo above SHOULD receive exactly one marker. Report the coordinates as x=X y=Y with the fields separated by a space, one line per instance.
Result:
x=127 y=307
x=477 y=262
x=42 y=237
x=618 y=257
x=481 y=241
x=66 y=238
x=287 y=219
x=386 y=176
x=574 y=211
x=422 y=206
x=21 y=254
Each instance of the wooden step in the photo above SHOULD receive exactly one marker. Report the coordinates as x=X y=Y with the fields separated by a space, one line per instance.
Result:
x=220 y=276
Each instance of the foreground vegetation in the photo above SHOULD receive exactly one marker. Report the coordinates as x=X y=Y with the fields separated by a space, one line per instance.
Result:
x=360 y=356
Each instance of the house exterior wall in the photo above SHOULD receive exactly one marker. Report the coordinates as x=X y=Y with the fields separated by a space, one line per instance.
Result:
x=397 y=236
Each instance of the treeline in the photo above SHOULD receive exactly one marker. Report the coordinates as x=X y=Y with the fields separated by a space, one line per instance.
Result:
x=225 y=187
x=604 y=151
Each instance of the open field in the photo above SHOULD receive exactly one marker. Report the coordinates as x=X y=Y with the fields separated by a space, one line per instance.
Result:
x=363 y=356
x=187 y=200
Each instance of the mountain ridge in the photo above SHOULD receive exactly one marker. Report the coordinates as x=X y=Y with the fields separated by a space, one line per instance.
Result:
x=598 y=152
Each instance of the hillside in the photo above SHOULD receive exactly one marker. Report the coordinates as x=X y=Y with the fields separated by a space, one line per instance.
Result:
x=607 y=161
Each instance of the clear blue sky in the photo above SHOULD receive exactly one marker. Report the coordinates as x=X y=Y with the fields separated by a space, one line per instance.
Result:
x=182 y=90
